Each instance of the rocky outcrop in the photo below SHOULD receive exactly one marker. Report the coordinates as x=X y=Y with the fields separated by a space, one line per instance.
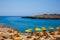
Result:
x=45 y=16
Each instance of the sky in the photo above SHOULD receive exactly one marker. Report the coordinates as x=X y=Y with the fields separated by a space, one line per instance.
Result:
x=29 y=7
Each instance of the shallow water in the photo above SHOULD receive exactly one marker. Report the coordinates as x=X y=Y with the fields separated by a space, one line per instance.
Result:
x=22 y=24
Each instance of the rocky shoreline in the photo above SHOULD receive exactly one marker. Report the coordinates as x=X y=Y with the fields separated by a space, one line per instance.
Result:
x=40 y=18
x=45 y=16
x=8 y=33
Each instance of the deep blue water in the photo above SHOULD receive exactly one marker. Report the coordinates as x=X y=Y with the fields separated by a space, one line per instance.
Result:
x=22 y=24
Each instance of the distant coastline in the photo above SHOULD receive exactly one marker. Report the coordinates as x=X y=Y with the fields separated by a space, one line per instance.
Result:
x=44 y=16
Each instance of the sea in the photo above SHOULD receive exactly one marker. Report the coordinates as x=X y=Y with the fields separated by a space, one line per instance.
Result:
x=22 y=24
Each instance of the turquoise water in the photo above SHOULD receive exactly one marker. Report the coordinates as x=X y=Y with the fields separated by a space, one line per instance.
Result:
x=22 y=24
